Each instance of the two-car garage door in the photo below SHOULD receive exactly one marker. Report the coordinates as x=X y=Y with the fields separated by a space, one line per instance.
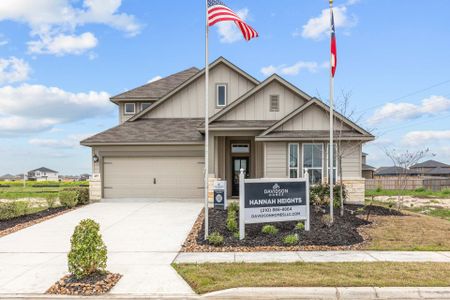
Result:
x=152 y=177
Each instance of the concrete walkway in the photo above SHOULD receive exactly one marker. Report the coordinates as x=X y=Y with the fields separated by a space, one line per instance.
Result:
x=142 y=237
x=313 y=256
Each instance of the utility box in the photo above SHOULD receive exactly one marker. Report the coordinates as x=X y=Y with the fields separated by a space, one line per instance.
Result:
x=220 y=194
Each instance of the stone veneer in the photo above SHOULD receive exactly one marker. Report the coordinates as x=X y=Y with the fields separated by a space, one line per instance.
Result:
x=95 y=188
x=355 y=190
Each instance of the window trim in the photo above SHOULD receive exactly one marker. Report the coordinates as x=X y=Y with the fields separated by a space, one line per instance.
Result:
x=142 y=103
x=125 y=108
x=313 y=168
x=298 y=168
x=277 y=97
x=240 y=144
x=217 y=94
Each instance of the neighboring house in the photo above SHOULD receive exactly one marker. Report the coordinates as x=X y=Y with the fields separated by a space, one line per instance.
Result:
x=393 y=171
x=432 y=168
x=271 y=129
x=367 y=170
x=43 y=174
x=8 y=177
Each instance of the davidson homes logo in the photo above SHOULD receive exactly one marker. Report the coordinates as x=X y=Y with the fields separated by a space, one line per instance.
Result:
x=276 y=191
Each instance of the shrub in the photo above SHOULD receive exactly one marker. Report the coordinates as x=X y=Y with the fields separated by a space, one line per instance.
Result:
x=290 y=240
x=445 y=191
x=319 y=194
x=82 y=194
x=51 y=199
x=13 y=209
x=232 y=224
x=269 y=229
x=420 y=189
x=215 y=239
x=88 y=252
x=326 y=219
x=378 y=190
x=300 y=226
x=68 y=198
x=233 y=206
x=236 y=235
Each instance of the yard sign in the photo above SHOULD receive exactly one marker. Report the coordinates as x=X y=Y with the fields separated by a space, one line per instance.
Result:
x=272 y=200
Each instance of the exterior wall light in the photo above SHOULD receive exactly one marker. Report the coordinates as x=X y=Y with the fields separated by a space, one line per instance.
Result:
x=95 y=158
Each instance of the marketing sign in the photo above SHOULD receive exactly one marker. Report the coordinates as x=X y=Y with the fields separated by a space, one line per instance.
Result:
x=220 y=194
x=273 y=200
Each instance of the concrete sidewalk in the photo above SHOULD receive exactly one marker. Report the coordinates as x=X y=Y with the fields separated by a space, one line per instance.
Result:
x=313 y=256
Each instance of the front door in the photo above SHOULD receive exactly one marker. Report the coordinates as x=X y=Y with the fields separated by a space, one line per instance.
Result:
x=238 y=164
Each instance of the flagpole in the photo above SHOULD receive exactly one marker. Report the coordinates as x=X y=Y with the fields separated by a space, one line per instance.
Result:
x=331 y=161
x=206 y=120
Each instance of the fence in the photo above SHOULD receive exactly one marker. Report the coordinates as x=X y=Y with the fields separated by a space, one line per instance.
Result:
x=409 y=183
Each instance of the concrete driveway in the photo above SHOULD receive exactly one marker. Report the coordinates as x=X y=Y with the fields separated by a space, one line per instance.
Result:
x=143 y=238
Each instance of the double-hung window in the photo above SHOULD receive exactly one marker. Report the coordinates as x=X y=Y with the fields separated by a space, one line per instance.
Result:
x=221 y=95
x=312 y=160
x=130 y=108
x=334 y=163
x=293 y=164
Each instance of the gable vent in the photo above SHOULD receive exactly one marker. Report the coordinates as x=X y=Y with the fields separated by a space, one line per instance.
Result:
x=274 y=103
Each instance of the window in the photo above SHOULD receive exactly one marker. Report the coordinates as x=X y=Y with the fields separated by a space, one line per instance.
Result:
x=240 y=148
x=335 y=161
x=145 y=105
x=293 y=161
x=130 y=108
x=274 y=103
x=221 y=95
x=312 y=160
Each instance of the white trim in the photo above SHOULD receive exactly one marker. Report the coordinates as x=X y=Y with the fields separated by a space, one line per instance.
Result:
x=289 y=160
x=125 y=108
x=322 y=159
x=217 y=94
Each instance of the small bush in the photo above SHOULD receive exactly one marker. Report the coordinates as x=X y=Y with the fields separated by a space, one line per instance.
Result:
x=360 y=210
x=88 y=253
x=215 y=239
x=233 y=206
x=300 y=226
x=82 y=194
x=51 y=200
x=68 y=198
x=420 y=189
x=236 y=235
x=13 y=209
x=232 y=224
x=320 y=194
x=326 y=219
x=290 y=240
x=445 y=191
x=378 y=190
x=269 y=229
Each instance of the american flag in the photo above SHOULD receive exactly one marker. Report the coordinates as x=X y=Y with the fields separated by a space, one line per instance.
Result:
x=219 y=12
x=333 y=46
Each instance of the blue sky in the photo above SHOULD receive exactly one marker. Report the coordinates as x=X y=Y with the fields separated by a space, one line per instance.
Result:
x=60 y=60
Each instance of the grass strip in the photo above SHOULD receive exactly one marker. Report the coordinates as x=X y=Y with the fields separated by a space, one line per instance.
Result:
x=205 y=278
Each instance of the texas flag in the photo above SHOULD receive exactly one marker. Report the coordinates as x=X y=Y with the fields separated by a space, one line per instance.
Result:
x=333 y=46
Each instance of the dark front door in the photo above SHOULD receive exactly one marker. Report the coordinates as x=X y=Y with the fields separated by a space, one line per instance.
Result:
x=238 y=164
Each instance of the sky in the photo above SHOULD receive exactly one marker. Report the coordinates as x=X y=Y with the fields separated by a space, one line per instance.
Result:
x=61 y=60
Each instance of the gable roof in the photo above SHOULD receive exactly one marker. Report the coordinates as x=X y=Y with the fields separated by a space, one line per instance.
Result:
x=315 y=101
x=8 y=176
x=157 y=89
x=385 y=171
x=430 y=164
x=220 y=60
x=267 y=81
x=44 y=169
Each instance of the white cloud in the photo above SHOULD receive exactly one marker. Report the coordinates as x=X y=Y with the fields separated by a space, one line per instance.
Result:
x=426 y=137
x=3 y=40
x=13 y=69
x=63 y=44
x=71 y=141
x=156 y=78
x=228 y=31
x=30 y=108
x=53 y=23
x=295 y=69
x=319 y=27
x=433 y=105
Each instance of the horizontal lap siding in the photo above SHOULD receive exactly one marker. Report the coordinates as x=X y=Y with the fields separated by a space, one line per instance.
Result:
x=276 y=160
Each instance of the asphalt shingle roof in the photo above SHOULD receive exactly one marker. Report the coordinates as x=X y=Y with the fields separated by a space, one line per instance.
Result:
x=157 y=89
x=430 y=164
x=439 y=171
x=242 y=124
x=147 y=131
x=44 y=169
x=384 y=171
x=313 y=134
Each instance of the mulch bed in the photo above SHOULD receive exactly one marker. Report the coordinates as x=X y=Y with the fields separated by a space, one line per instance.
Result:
x=95 y=284
x=16 y=224
x=344 y=234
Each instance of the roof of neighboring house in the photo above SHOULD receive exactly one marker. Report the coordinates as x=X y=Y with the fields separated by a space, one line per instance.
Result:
x=44 y=169
x=430 y=164
x=439 y=171
x=384 y=171
x=150 y=131
x=159 y=88
x=7 y=176
x=366 y=167
x=234 y=124
x=312 y=134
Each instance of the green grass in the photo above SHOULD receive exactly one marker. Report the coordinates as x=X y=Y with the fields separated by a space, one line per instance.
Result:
x=204 y=278
x=445 y=193
x=17 y=190
x=433 y=211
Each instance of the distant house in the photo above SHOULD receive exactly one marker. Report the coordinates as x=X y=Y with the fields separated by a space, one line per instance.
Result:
x=84 y=177
x=8 y=177
x=432 y=168
x=367 y=170
x=43 y=174
x=393 y=171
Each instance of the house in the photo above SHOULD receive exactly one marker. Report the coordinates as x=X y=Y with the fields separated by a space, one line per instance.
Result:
x=8 y=177
x=432 y=168
x=393 y=171
x=43 y=174
x=269 y=128
x=367 y=170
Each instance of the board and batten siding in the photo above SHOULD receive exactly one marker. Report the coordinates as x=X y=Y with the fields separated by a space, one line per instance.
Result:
x=257 y=106
x=351 y=159
x=189 y=101
x=275 y=160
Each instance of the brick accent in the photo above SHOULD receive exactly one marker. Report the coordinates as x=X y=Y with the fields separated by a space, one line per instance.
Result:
x=355 y=190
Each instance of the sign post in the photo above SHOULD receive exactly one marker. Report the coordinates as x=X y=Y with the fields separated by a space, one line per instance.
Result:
x=272 y=200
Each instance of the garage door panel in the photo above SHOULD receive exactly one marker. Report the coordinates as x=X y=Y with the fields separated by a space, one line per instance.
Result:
x=153 y=177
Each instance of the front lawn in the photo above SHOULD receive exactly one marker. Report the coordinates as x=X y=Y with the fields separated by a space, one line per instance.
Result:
x=419 y=193
x=32 y=189
x=204 y=278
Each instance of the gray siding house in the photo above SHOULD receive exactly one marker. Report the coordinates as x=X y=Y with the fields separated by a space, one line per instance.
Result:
x=270 y=128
